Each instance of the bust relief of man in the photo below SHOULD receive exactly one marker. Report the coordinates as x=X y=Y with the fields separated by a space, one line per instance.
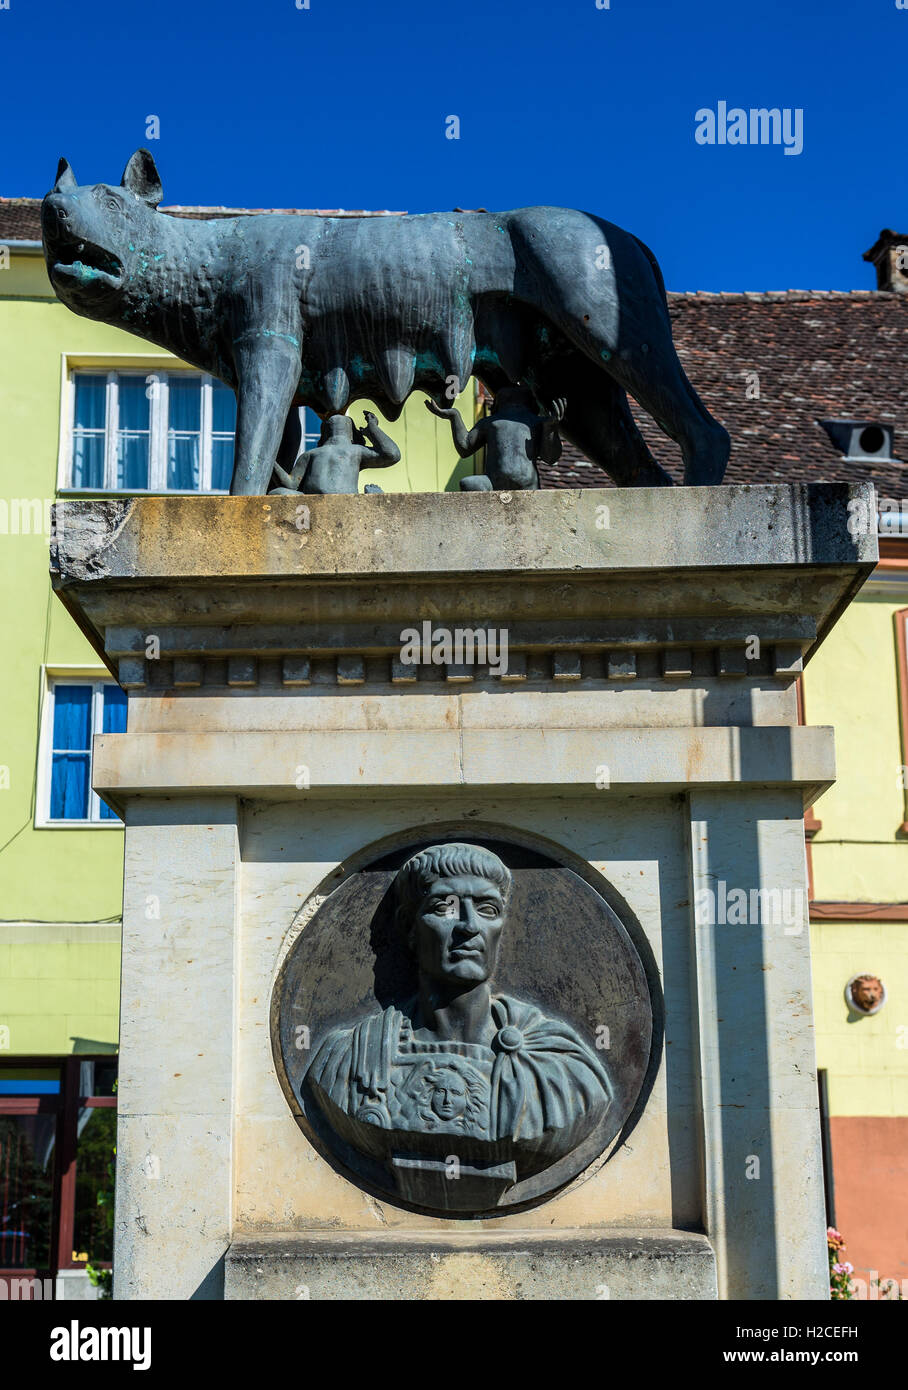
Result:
x=459 y=1080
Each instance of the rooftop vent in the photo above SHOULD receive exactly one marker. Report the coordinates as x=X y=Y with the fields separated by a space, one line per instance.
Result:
x=889 y=254
x=861 y=441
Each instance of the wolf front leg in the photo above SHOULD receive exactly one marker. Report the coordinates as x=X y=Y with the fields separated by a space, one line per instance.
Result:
x=268 y=372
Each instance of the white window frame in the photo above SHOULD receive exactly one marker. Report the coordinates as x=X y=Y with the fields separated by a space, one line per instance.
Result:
x=162 y=369
x=98 y=677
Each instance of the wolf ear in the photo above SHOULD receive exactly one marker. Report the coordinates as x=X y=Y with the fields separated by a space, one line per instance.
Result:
x=65 y=178
x=141 y=177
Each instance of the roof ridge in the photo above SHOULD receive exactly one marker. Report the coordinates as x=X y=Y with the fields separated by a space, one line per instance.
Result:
x=773 y=296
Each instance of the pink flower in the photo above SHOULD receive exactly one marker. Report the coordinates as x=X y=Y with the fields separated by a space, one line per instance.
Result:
x=848 y=1267
x=838 y=1269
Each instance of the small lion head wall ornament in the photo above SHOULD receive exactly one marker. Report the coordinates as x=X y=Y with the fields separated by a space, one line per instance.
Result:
x=865 y=994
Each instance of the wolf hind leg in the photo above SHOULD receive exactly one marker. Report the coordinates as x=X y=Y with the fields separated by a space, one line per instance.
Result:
x=629 y=337
x=665 y=393
x=598 y=420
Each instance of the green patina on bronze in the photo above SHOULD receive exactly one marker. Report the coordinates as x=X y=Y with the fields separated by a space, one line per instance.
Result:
x=294 y=310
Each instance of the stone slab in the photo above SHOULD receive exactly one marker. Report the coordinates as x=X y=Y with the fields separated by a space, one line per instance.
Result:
x=516 y=1266
x=671 y=763
x=227 y=574
x=278 y=763
x=463 y=533
x=647 y=705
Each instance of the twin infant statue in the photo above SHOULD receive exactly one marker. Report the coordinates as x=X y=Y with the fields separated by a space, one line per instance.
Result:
x=515 y=437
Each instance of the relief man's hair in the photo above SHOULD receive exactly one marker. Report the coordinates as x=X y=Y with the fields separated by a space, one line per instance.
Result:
x=447 y=861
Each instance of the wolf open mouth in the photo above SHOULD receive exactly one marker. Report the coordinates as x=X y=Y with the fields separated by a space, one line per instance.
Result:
x=90 y=265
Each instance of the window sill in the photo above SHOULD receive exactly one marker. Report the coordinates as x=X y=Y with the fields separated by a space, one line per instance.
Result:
x=79 y=825
x=76 y=492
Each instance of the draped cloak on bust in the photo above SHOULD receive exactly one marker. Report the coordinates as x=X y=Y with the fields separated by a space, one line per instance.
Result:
x=530 y=1097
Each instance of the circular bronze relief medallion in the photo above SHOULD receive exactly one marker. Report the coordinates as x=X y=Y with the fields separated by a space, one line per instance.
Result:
x=463 y=1026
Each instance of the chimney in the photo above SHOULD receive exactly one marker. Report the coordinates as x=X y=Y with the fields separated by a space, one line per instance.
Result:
x=890 y=256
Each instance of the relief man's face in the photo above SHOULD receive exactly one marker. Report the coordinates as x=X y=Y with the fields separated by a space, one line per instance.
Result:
x=457 y=929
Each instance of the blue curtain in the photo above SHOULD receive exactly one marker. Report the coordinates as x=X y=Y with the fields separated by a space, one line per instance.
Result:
x=223 y=408
x=70 y=786
x=113 y=722
x=71 y=756
x=114 y=718
x=221 y=464
x=223 y=429
x=133 y=435
x=88 y=460
x=91 y=401
x=90 y=415
x=134 y=403
x=184 y=433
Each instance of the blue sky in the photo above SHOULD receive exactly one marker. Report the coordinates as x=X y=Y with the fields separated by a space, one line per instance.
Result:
x=344 y=105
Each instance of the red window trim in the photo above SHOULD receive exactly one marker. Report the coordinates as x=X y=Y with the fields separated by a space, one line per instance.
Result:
x=29 y=1105
x=858 y=912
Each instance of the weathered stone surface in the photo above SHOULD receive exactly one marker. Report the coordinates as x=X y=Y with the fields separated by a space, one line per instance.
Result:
x=177 y=1028
x=756 y=1048
x=598 y=1265
x=643 y=705
x=267 y=763
x=233 y=584
x=472 y=534
x=247 y=806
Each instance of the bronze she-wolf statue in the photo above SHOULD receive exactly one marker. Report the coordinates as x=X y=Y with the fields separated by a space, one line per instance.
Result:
x=322 y=311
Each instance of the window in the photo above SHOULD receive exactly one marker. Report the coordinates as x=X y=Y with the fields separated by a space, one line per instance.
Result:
x=29 y=1104
x=77 y=710
x=57 y=1144
x=313 y=431
x=150 y=431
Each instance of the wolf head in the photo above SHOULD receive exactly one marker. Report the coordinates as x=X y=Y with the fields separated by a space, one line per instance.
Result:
x=95 y=236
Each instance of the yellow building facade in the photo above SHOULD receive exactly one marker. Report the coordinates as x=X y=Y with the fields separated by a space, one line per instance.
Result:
x=859 y=918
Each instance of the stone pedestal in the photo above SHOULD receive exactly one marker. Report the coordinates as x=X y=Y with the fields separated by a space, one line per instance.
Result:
x=596 y=1263
x=644 y=733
